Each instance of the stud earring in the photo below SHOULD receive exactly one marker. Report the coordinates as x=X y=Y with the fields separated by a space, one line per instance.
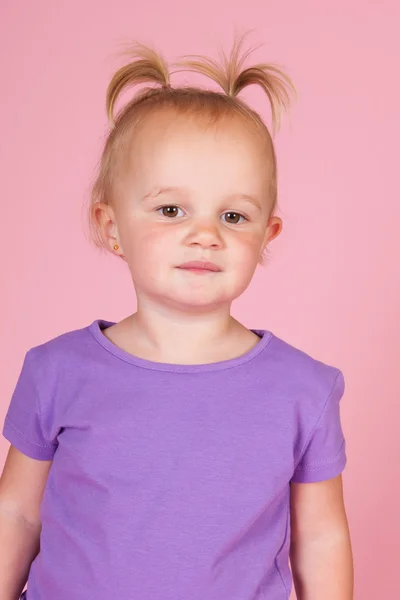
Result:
x=116 y=247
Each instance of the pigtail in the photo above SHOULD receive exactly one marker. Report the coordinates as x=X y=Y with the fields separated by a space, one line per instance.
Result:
x=232 y=77
x=147 y=66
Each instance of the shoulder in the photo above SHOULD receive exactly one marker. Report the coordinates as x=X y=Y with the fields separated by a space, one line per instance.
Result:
x=58 y=368
x=51 y=377
x=64 y=344
x=62 y=354
x=302 y=370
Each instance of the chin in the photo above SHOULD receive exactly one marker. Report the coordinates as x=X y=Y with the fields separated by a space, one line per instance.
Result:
x=205 y=303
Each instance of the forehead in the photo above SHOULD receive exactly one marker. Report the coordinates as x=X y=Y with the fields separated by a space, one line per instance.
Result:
x=169 y=149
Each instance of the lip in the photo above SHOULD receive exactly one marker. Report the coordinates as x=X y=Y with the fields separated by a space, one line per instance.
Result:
x=198 y=265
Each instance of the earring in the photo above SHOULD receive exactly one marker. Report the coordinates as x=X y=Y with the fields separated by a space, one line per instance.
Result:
x=116 y=247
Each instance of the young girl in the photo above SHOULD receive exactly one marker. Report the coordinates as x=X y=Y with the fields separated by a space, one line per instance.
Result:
x=178 y=455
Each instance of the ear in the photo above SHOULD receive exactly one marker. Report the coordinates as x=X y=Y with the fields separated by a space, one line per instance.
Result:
x=273 y=229
x=104 y=216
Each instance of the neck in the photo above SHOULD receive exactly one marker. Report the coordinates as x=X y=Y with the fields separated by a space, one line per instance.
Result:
x=176 y=336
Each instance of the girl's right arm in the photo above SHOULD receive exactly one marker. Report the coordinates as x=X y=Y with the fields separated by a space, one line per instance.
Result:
x=21 y=489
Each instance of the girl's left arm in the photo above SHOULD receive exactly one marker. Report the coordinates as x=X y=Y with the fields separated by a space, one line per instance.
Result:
x=320 y=552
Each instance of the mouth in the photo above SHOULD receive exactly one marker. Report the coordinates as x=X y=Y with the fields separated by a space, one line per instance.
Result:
x=200 y=267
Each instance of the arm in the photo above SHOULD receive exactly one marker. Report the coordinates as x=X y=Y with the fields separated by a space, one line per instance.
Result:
x=320 y=553
x=21 y=489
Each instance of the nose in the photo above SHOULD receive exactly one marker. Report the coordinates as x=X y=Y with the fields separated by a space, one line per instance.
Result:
x=205 y=234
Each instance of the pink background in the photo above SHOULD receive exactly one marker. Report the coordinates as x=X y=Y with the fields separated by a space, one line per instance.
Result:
x=333 y=283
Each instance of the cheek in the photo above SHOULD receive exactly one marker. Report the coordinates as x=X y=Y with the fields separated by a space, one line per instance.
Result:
x=146 y=242
x=248 y=246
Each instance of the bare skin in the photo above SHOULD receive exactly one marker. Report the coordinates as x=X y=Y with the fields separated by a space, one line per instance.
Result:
x=189 y=194
x=215 y=182
x=183 y=318
x=21 y=489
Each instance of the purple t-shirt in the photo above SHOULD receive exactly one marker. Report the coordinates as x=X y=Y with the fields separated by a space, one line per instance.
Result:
x=171 y=482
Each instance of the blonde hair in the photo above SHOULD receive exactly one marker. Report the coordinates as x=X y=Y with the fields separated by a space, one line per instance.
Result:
x=149 y=67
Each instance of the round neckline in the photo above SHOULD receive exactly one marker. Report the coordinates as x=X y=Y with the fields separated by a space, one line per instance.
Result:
x=99 y=325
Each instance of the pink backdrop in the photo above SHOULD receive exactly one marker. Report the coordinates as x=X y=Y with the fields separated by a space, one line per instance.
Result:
x=333 y=284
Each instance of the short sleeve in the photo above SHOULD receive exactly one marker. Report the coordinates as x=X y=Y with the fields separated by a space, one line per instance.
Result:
x=23 y=426
x=324 y=455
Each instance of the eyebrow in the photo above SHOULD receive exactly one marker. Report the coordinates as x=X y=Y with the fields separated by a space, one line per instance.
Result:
x=252 y=199
x=166 y=190
x=162 y=190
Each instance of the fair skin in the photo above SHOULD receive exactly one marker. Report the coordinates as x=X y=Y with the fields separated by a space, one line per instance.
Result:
x=320 y=553
x=175 y=170
x=21 y=490
x=206 y=175
x=187 y=192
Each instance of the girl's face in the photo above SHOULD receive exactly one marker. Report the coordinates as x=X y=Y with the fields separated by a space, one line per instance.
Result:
x=192 y=195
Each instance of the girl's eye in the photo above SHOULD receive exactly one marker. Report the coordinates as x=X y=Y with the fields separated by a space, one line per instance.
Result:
x=170 y=211
x=233 y=218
